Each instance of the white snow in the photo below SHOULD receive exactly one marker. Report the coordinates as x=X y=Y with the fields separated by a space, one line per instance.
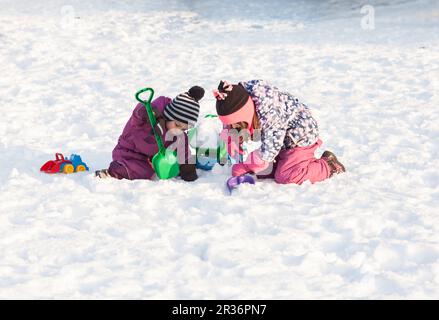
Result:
x=207 y=132
x=69 y=71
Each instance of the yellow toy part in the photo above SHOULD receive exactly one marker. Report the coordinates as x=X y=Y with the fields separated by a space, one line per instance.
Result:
x=80 y=168
x=68 y=168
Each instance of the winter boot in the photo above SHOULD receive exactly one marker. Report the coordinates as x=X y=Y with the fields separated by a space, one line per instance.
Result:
x=335 y=165
x=103 y=174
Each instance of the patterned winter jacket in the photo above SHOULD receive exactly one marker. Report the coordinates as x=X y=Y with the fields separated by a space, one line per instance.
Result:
x=285 y=122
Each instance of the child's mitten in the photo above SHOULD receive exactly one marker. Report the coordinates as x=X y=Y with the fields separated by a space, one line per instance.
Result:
x=188 y=172
x=253 y=164
x=239 y=169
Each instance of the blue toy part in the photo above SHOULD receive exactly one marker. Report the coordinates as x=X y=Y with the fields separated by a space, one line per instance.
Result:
x=208 y=157
x=206 y=163
x=77 y=161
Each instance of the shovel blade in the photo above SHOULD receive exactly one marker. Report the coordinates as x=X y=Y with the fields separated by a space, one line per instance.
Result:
x=166 y=165
x=233 y=182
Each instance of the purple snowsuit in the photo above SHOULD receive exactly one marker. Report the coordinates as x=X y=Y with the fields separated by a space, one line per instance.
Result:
x=136 y=146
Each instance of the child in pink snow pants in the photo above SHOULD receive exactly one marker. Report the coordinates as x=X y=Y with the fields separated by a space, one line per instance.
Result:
x=299 y=164
x=288 y=133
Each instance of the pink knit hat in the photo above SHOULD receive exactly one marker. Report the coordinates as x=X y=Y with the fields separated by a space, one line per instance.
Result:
x=245 y=114
x=234 y=104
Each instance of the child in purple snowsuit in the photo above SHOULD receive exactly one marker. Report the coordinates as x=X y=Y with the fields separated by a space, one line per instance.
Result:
x=136 y=146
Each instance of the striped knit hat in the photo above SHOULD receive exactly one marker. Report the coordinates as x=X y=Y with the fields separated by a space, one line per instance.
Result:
x=185 y=107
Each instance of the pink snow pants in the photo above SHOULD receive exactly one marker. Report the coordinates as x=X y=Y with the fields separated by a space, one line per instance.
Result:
x=298 y=165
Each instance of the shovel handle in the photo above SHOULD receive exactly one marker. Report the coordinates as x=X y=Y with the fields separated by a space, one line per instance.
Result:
x=152 y=118
x=151 y=94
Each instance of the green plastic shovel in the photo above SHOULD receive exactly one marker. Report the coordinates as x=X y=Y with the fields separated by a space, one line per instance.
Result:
x=165 y=162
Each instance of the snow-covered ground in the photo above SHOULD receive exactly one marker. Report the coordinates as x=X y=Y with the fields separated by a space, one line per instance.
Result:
x=69 y=71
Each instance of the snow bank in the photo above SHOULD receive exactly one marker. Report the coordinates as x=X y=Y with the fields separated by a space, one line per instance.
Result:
x=68 y=85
